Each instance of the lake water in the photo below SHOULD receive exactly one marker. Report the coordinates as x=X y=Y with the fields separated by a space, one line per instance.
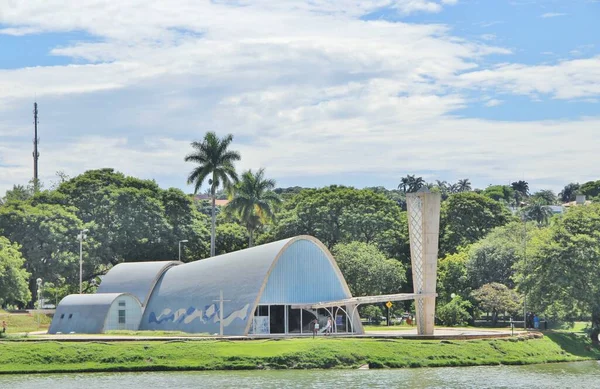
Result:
x=557 y=375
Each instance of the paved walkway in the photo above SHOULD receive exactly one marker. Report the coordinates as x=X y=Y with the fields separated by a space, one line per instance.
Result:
x=440 y=333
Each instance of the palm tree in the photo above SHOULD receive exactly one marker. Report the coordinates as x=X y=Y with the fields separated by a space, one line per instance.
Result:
x=521 y=189
x=410 y=183
x=569 y=192
x=217 y=162
x=254 y=201
x=463 y=185
x=539 y=212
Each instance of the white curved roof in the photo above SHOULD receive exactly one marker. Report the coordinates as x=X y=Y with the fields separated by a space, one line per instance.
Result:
x=137 y=278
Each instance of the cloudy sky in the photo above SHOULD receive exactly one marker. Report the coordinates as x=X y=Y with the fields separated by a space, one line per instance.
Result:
x=318 y=92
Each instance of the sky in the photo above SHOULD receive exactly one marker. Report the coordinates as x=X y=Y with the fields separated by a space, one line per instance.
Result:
x=318 y=92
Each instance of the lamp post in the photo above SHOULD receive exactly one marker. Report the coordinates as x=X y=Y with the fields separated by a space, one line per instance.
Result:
x=180 y=242
x=81 y=237
x=39 y=295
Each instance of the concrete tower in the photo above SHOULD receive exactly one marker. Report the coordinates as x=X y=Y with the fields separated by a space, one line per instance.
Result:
x=424 y=228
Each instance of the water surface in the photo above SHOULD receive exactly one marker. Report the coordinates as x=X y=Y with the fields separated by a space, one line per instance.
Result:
x=556 y=375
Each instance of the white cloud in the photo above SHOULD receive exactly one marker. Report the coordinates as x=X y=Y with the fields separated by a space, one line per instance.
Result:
x=566 y=80
x=552 y=15
x=493 y=103
x=306 y=87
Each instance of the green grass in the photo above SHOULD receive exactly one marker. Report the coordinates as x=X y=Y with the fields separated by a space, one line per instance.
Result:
x=23 y=322
x=383 y=327
x=50 y=356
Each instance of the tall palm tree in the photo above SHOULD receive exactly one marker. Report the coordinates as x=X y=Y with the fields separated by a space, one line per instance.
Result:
x=463 y=185
x=545 y=196
x=254 y=201
x=215 y=162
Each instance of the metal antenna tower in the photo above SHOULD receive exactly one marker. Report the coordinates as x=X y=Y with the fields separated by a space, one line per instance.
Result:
x=36 y=154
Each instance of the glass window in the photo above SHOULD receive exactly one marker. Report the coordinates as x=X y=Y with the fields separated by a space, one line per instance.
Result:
x=121 y=316
x=262 y=310
x=62 y=316
x=121 y=303
x=70 y=315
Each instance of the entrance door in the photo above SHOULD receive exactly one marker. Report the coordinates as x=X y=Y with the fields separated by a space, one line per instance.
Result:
x=277 y=320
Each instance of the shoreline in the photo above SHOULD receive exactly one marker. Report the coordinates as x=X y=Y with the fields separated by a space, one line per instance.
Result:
x=53 y=357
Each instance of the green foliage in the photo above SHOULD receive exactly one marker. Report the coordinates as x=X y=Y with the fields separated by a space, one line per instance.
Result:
x=492 y=259
x=13 y=276
x=590 y=189
x=254 y=201
x=372 y=312
x=410 y=183
x=544 y=197
x=455 y=313
x=230 y=237
x=452 y=276
x=46 y=234
x=539 y=212
x=338 y=214
x=569 y=192
x=560 y=275
x=467 y=217
x=502 y=193
x=497 y=298
x=367 y=271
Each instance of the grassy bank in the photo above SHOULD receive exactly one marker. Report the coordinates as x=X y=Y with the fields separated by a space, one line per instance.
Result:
x=30 y=357
x=24 y=322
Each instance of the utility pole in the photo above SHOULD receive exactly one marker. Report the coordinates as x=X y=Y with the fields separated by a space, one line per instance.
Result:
x=36 y=154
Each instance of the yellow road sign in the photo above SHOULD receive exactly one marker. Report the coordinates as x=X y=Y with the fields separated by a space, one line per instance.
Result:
x=388 y=304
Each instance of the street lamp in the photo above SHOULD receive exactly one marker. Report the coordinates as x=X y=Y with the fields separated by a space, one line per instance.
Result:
x=81 y=237
x=180 y=242
x=39 y=294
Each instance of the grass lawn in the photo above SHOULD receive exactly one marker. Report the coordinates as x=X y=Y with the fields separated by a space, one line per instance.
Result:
x=24 y=322
x=50 y=356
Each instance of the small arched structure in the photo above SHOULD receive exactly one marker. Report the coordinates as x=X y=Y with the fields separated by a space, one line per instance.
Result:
x=96 y=313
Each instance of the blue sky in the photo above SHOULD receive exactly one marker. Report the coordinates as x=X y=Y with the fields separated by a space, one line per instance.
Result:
x=318 y=92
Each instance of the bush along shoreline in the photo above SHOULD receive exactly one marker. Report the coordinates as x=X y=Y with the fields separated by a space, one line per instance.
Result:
x=31 y=356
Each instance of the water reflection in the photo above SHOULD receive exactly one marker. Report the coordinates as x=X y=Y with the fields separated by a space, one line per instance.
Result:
x=563 y=375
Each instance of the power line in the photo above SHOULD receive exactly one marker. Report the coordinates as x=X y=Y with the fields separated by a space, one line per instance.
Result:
x=36 y=154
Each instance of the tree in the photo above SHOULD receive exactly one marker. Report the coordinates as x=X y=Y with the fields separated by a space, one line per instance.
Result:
x=367 y=271
x=455 y=313
x=46 y=234
x=492 y=259
x=538 y=212
x=17 y=193
x=463 y=185
x=501 y=193
x=560 y=273
x=467 y=217
x=338 y=214
x=521 y=189
x=230 y=237
x=13 y=276
x=452 y=277
x=496 y=298
x=216 y=161
x=568 y=193
x=544 y=197
x=590 y=189
x=410 y=183
x=254 y=201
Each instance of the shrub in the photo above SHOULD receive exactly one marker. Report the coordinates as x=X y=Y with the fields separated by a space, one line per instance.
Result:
x=455 y=313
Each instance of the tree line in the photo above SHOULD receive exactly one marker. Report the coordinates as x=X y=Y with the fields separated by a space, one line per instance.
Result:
x=498 y=245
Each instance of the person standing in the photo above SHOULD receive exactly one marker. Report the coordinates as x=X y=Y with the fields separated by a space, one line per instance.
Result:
x=536 y=321
x=328 y=327
x=3 y=326
x=315 y=327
